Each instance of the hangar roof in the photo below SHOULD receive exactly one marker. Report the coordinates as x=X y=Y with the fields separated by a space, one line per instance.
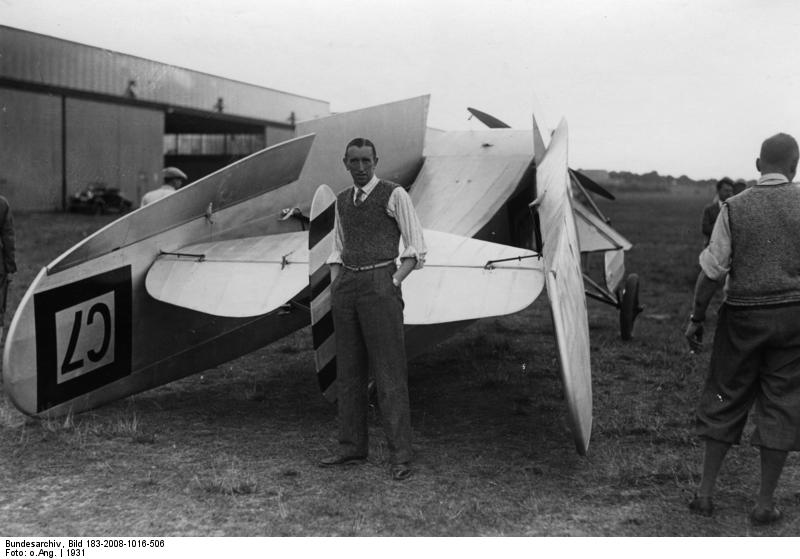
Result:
x=33 y=61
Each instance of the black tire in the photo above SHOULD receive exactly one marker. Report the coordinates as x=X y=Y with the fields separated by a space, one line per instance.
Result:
x=98 y=209
x=629 y=307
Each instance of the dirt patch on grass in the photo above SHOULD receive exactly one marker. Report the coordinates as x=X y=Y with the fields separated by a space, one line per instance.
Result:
x=233 y=451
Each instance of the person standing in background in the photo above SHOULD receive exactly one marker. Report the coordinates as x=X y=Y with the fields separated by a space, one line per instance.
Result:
x=7 y=250
x=710 y=212
x=173 y=181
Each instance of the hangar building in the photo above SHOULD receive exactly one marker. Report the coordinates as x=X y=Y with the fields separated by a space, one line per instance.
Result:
x=72 y=115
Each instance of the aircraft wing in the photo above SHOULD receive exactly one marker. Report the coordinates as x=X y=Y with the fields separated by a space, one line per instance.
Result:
x=565 y=284
x=234 y=278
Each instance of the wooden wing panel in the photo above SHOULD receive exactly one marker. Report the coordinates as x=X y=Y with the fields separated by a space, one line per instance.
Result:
x=565 y=288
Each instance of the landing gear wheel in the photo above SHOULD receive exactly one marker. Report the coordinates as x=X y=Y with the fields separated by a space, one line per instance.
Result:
x=629 y=307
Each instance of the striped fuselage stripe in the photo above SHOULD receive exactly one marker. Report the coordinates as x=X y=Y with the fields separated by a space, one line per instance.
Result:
x=320 y=281
x=320 y=235
x=320 y=226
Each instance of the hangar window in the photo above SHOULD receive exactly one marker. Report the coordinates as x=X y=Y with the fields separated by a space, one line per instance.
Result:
x=213 y=144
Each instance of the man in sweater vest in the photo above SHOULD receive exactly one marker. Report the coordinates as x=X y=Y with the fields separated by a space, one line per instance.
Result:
x=367 y=307
x=756 y=352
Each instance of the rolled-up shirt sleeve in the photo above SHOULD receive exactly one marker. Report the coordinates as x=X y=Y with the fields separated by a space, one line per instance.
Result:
x=336 y=250
x=402 y=210
x=715 y=260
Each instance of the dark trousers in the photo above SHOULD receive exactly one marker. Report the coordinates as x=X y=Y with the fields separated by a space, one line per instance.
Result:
x=368 y=319
x=3 y=297
x=755 y=361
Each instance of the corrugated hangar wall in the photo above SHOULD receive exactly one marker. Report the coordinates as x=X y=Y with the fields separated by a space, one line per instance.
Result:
x=117 y=145
x=54 y=146
x=74 y=114
x=30 y=155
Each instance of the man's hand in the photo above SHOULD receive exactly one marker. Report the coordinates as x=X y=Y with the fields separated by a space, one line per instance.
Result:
x=704 y=290
x=694 y=335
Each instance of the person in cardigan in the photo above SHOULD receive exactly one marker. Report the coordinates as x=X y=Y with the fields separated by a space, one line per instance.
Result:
x=711 y=211
x=756 y=350
x=367 y=307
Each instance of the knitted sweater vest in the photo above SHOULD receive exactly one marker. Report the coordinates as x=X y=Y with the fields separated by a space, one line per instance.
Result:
x=765 y=255
x=370 y=235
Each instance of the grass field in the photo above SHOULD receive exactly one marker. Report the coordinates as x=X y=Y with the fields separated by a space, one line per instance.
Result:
x=233 y=451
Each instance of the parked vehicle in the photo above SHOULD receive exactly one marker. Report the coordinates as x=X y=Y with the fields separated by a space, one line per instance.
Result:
x=98 y=199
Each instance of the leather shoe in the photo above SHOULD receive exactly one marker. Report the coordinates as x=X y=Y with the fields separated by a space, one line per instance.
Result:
x=701 y=505
x=339 y=460
x=764 y=517
x=401 y=471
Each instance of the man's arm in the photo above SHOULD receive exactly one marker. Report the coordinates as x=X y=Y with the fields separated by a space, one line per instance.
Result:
x=715 y=262
x=704 y=289
x=402 y=209
x=335 y=259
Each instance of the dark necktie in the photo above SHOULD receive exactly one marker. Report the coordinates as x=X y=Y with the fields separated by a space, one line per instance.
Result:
x=359 y=196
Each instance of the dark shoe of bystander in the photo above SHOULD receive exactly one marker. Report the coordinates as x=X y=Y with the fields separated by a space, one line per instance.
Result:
x=764 y=517
x=701 y=505
x=401 y=471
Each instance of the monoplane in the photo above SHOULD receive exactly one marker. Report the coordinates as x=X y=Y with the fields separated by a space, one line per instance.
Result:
x=221 y=267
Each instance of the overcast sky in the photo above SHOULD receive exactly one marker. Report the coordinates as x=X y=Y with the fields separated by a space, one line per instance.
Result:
x=676 y=86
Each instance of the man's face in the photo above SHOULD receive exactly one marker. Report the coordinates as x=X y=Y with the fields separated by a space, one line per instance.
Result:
x=725 y=192
x=361 y=164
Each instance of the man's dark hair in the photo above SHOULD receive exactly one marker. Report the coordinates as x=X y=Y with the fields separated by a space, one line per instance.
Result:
x=360 y=143
x=780 y=149
x=723 y=181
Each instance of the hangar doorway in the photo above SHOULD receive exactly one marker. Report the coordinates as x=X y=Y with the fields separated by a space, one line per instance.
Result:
x=200 y=143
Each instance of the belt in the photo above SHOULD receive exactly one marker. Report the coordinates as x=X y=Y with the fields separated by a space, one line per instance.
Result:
x=366 y=268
